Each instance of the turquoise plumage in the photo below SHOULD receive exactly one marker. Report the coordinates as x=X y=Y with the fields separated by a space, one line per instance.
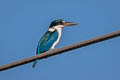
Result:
x=46 y=42
x=51 y=37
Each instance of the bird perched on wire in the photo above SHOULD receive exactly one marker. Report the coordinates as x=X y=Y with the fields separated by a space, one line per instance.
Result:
x=50 y=39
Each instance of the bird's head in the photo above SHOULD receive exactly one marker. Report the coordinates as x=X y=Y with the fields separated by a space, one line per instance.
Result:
x=59 y=23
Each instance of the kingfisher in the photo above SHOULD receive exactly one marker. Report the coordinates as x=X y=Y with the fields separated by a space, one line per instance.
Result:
x=51 y=38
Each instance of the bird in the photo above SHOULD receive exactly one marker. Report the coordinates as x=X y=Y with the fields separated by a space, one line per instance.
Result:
x=51 y=38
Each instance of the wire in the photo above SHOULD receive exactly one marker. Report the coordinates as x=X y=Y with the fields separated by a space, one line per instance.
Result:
x=60 y=50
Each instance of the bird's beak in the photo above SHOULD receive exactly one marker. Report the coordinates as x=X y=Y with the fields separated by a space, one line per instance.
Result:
x=70 y=24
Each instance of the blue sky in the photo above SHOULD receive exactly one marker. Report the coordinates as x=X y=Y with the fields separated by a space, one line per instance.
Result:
x=23 y=22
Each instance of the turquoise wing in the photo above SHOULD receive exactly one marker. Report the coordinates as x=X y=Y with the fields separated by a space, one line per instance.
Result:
x=46 y=41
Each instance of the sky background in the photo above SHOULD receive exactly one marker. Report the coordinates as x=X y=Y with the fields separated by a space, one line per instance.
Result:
x=23 y=22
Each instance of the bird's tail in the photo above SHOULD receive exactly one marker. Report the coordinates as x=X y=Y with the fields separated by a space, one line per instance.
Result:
x=35 y=62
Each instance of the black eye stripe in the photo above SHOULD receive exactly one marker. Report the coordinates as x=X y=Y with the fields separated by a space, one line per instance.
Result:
x=60 y=23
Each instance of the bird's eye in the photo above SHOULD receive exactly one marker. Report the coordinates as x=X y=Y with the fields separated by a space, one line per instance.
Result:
x=61 y=23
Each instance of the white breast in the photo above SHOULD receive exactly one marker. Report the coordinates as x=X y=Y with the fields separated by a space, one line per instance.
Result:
x=59 y=30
